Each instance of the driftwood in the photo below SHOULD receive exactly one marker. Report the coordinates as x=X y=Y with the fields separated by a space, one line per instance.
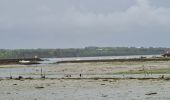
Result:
x=153 y=93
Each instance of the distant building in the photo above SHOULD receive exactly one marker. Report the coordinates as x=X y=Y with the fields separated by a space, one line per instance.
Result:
x=167 y=54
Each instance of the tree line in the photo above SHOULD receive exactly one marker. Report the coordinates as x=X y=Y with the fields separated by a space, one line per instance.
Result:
x=79 y=52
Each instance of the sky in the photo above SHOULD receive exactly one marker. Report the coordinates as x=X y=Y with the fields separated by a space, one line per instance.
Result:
x=80 y=23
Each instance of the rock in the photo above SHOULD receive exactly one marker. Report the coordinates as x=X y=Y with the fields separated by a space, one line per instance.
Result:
x=39 y=87
x=20 y=77
x=152 y=93
x=105 y=80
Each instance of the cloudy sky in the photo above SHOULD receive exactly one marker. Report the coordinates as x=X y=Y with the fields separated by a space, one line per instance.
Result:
x=80 y=23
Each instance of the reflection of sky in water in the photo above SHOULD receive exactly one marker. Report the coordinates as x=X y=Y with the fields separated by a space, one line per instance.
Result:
x=35 y=70
x=53 y=60
x=6 y=72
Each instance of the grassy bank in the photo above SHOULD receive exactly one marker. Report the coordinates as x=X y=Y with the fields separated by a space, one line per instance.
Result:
x=147 y=71
x=118 y=60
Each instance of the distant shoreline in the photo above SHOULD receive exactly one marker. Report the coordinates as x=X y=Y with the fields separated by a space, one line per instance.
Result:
x=17 y=61
x=142 y=59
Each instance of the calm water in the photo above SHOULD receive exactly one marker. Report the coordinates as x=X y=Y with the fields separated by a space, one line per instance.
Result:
x=53 y=60
x=35 y=70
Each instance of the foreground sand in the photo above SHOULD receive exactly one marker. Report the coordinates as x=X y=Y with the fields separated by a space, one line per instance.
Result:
x=69 y=89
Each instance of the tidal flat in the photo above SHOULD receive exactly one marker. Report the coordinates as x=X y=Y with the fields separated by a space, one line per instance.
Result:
x=86 y=81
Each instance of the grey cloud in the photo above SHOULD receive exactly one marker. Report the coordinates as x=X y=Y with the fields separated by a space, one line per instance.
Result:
x=78 y=23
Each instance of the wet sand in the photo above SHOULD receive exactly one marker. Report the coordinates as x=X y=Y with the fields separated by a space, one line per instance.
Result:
x=83 y=89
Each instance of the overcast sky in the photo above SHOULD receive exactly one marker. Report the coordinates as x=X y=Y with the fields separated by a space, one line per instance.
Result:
x=80 y=23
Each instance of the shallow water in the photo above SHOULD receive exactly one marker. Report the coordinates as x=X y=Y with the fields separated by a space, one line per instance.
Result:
x=88 y=89
x=35 y=72
x=53 y=60
x=52 y=70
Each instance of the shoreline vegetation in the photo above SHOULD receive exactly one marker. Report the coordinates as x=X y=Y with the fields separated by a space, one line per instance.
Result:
x=160 y=77
x=142 y=59
x=80 y=52
x=20 y=61
x=147 y=71
x=38 y=60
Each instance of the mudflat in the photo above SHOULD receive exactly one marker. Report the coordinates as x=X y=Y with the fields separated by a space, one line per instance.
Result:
x=86 y=81
x=65 y=89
